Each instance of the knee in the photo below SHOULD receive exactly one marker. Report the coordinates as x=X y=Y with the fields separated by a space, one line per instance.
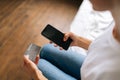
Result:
x=45 y=50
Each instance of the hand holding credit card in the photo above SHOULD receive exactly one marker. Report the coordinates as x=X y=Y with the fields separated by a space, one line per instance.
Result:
x=32 y=51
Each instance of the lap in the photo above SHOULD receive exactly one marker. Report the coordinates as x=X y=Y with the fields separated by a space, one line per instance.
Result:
x=67 y=61
x=52 y=72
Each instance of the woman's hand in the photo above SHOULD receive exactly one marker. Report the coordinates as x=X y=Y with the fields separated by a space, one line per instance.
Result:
x=32 y=69
x=66 y=36
x=77 y=40
x=74 y=37
x=30 y=66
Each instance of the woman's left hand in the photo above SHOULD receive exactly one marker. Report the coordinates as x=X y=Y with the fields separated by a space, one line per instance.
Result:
x=32 y=69
x=30 y=66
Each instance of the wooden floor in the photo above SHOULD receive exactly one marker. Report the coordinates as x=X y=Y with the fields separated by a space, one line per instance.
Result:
x=21 y=22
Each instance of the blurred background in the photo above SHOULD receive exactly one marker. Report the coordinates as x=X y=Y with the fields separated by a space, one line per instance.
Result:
x=21 y=22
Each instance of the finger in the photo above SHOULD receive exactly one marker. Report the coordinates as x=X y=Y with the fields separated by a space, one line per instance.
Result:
x=25 y=59
x=61 y=48
x=26 y=56
x=36 y=59
x=55 y=45
x=38 y=56
x=66 y=36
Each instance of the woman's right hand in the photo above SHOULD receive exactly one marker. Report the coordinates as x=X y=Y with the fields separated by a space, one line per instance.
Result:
x=74 y=37
x=77 y=40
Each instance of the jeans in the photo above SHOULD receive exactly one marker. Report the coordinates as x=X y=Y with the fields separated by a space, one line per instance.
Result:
x=58 y=64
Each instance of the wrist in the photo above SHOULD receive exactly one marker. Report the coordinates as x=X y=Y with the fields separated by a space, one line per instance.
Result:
x=38 y=75
x=83 y=42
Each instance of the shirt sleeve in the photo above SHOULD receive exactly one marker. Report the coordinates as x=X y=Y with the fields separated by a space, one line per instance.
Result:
x=108 y=75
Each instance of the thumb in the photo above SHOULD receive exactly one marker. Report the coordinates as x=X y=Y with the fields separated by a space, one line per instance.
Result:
x=66 y=36
x=26 y=58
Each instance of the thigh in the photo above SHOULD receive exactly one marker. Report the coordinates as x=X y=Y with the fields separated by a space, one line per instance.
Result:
x=51 y=72
x=67 y=61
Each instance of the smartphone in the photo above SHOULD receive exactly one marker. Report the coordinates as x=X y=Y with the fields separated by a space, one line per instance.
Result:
x=32 y=51
x=56 y=36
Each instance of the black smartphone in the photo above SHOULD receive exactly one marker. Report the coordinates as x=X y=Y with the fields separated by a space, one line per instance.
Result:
x=56 y=36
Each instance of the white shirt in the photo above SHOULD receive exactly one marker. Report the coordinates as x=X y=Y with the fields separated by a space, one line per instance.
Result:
x=89 y=23
x=103 y=59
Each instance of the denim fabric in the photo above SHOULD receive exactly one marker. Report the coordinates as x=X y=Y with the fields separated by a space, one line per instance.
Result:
x=58 y=64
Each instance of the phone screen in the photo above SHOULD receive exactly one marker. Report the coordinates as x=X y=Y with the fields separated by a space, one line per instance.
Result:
x=32 y=51
x=56 y=36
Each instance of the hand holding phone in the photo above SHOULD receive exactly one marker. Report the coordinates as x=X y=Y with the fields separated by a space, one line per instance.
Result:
x=56 y=36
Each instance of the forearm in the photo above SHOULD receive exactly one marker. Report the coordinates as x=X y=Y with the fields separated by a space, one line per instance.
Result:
x=83 y=42
x=39 y=76
x=77 y=40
